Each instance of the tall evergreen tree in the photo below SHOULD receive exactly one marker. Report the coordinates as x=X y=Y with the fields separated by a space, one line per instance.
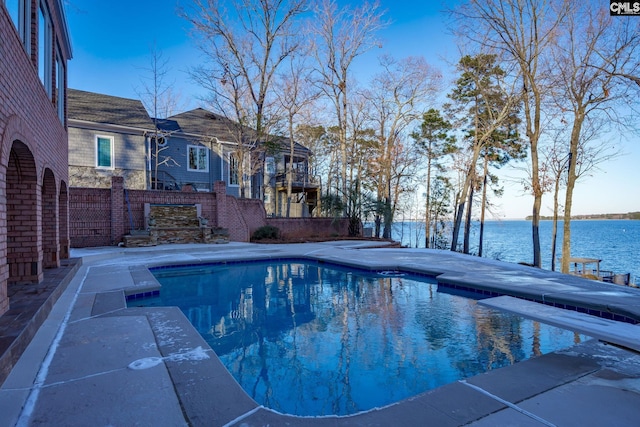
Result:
x=487 y=108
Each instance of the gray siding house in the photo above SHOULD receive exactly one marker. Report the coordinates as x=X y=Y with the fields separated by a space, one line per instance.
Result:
x=107 y=137
x=112 y=136
x=199 y=147
x=194 y=149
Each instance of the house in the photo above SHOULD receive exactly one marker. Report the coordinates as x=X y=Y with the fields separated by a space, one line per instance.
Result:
x=34 y=47
x=194 y=150
x=112 y=136
x=199 y=147
x=107 y=137
x=305 y=187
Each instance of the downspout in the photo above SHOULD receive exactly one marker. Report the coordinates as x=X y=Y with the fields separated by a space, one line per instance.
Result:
x=210 y=174
x=221 y=155
x=147 y=148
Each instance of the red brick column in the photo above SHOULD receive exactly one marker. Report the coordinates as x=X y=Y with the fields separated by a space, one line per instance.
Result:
x=220 y=190
x=63 y=222
x=117 y=209
x=4 y=267
x=50 y=230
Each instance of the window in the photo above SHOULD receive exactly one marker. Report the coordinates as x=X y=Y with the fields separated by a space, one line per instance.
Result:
x=234 y=170
x=270 y=166
x=198 y=158
x=19 y=14
x=45 y=47
x=60 y=78
x=14 y=7
x=104 y=152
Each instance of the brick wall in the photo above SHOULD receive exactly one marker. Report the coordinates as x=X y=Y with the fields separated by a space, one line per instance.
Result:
x=95 y=222
x=254 y=213
x=89 y=217
x=33 y=150
x=295 y=228
x=101 y=217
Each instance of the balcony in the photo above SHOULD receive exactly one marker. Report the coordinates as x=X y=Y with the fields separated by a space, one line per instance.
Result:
x=301 y=181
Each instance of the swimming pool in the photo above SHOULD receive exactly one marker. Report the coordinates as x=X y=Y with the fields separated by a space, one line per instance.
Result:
x=314 y=339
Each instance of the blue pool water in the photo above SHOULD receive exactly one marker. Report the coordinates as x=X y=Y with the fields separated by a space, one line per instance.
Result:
x=310 y=339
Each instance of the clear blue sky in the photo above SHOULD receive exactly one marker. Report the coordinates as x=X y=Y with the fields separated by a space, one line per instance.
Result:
x=112 y=38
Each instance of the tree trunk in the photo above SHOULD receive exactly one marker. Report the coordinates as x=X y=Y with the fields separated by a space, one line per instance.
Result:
x=537 y=196
x=458 y=212
x=535 y=231
x=483 y=205
x=466 y=187
x=427 y=213
x=554 y=231
x=467 y=223
x=388 y=218
x=290 y=167
x=571 y=182
x=343 y=132
x=377 y=222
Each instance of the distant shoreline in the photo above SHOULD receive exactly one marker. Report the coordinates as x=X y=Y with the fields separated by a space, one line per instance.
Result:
x=629 y=215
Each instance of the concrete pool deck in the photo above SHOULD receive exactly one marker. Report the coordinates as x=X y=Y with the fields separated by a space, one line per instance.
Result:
x=95 y=362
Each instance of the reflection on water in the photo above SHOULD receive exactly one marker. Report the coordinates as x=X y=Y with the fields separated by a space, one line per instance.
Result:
x=306 y=339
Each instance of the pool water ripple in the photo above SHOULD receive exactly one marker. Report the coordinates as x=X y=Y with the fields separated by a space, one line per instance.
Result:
x=310 y=339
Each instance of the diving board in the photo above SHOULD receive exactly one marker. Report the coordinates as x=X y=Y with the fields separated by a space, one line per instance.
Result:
x=611 y=331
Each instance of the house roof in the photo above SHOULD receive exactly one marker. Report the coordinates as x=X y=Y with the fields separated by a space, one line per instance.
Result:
x=207 y=124
x=99 y=108
x=201 y=122
x=106 y=109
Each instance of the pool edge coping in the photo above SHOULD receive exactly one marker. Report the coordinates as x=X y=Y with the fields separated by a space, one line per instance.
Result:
x=421 y=399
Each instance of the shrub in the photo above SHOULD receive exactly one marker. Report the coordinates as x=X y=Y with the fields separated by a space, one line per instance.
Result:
x=266 y=232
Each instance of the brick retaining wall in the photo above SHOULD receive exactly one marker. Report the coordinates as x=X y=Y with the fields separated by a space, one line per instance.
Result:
x=101 y=217
x=297 y=228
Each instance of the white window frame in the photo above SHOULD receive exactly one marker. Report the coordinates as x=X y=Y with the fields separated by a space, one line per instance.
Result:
x=270 y=166
x=45 y=47
x=60 y=85
x=198 y=149
x=111 y=152
x=232 y=157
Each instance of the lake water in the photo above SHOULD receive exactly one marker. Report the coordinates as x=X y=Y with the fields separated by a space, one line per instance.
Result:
x=615 y=242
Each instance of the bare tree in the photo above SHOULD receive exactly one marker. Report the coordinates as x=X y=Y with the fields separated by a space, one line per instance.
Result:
x=318 y=139
x=521 y=30
x=343 y=34
x=159 y=99
x=553 y=172
x=594 y=53
x=397 y=96
x=295 y=93
x=592 y=151
x=244 y=44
